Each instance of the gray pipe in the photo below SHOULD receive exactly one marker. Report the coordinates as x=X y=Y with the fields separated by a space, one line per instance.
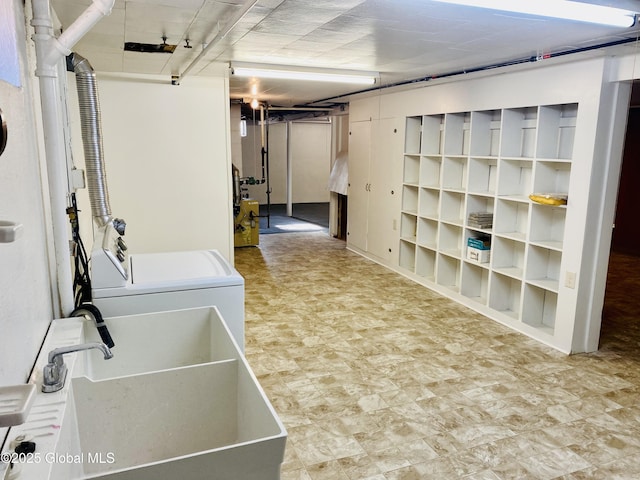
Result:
x=91 y=126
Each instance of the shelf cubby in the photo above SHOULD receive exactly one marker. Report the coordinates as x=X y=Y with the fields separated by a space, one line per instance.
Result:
x=410 y=199
x=454 y=173
x=450 y=240
x=448 y=272
x=478 y=203
x=408 y=227
x=511 y=219
x=432 y=134
x=519 y=127
x=452 y=207
x=471 y=232
x=543 y=268
x=475 y=232
x=430 y=171
x=427 y=233
x=411 y=173
x=515 y=179
x=508 y=257
x=556 y=131
x=547 y=226
x=539 y=308
x=407 y=255
x=490 y=161
x=485 y=133
x=456 y=134
x=475 y=282
x=505 y=295
x=429 y=203
x=551 y=177
x=482 y=173
x=426 y=263
x=413 y=135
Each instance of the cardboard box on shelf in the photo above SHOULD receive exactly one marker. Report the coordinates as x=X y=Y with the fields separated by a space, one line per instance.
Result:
x=478 y=255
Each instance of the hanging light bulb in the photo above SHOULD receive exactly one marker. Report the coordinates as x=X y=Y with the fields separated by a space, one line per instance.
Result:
x=255 y=104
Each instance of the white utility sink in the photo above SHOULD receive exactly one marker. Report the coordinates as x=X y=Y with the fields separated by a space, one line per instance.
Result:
x=157 y=341
x=177 y=401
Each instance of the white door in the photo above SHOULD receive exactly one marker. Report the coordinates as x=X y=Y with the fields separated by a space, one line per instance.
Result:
x=358 y=195
x=385 y=180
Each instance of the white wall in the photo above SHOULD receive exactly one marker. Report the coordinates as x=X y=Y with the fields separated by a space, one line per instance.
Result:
x=236 y=138
x=310 y=145
x=168 y=160
x=25 y=293
x=311 y=161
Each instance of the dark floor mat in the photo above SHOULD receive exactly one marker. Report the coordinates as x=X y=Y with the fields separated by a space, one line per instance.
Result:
x=307 y=217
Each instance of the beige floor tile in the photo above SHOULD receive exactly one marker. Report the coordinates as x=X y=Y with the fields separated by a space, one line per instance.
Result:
x=378 y=378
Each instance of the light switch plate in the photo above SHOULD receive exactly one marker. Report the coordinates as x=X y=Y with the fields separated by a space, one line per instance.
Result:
x=570 y=280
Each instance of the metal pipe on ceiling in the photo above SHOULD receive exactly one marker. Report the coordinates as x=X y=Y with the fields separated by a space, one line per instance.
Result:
x=222 y=33
x=483 y=68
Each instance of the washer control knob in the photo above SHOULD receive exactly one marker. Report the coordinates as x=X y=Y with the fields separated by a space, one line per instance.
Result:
x=121 y=244
x=120 y=225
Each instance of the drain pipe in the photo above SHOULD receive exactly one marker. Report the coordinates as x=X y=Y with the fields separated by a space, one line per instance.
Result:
x=289 y=170
x=49 y=53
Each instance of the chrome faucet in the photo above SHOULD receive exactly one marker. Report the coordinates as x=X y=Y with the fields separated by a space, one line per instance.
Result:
x=55 y=372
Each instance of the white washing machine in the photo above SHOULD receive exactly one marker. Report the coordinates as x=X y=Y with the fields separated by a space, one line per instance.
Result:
x=124 y=284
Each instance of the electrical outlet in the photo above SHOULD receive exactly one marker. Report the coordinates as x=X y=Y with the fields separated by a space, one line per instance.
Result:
x=395 y=224
x=77 y=179
x=570 y=280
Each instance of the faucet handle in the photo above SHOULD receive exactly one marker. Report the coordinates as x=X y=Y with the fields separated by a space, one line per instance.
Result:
x=53 y=377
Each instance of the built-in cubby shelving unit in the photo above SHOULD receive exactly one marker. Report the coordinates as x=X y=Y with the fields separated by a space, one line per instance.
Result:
x=489 y=162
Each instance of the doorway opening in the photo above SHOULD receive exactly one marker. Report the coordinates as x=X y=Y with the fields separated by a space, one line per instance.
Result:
x=620 y=325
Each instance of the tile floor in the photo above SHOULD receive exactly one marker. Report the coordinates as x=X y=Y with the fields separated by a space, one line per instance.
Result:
x=377 y=378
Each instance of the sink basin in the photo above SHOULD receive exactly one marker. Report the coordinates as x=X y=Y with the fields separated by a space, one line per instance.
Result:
x=201 y=422
x=157 y=341
x=178 y=400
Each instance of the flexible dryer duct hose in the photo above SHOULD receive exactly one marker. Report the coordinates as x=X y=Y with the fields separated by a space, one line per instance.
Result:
x=91 y=126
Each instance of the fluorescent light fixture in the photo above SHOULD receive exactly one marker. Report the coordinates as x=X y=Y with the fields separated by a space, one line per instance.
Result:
x=300 y=73
x=565 y=9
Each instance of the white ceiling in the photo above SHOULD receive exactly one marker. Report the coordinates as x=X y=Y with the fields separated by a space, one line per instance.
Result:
x=401 y=39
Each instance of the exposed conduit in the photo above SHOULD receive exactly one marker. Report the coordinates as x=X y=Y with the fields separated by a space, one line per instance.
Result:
x=483 y=68
x=248 y=5
x=50 y=51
